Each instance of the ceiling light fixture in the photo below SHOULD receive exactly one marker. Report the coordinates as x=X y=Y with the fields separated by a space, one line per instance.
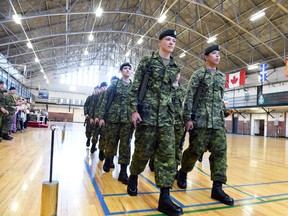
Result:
x=140 y=41
x=162 y=18
x=90 y=37
x=212 y=39
x=45 y=77
x=257 y=15
x=252 y=67
x=42 y=71
x=128 y=53
x=182 y=55
x=86 y=52
x=17 y=18
x=36 y=59
x=29 y=45
x=99 y=12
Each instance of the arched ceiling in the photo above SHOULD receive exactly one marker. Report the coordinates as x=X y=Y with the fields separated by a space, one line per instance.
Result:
x=59 y=30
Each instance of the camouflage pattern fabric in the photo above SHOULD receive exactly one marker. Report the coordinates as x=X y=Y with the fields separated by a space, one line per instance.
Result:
x=160 y=142
x=202 y=140
x=116 y=132
x=210 y=108
x=2 y=104
x=117 y=122
x=155 y=134
x=94 y=129
x=157 y=107
x=10 y=106
x=118 y=111
x=209 y=125
x=178 y=99
x=86 y=112
x=103 y=139
x=86 y=105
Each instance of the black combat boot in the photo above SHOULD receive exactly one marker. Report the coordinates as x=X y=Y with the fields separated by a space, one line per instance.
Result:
x=123 y=177
x=106 y=166
x=182 y=179
x=93 y=148
x=88 y=143
x=132 y=185
x=151 y=163
x=112 y=165
x=101 y=155
x=7 y=137
x=165 y=204
x=218 y=194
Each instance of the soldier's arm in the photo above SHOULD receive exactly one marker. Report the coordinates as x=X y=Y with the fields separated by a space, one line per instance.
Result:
x=86 y=106
x=102 y=108
x=133 y=93
x=188 y=103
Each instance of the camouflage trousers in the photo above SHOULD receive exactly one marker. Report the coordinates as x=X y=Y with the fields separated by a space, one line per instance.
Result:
x=119 y=132
x=179 y=131
x=88 y=131
x=95 y=132
x=6 y=123
x=160 y=142
x=103 y=140
x=201 y=140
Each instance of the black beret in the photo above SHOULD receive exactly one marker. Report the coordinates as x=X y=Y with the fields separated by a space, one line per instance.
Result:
x=97 y=87
x=211 y=49
x=125 y=64
x=1 y=82
x=103 y=84
x=168 y=32
x=12 y=88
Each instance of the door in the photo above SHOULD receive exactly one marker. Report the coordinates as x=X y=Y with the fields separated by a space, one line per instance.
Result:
x=235 y=125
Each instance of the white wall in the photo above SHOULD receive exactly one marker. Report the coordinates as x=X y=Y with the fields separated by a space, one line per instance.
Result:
x=78 y=115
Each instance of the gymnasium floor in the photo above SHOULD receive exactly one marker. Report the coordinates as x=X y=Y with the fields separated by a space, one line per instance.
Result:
x=257 y=178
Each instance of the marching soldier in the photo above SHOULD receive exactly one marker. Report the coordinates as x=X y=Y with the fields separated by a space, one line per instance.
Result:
x=155 y=117
x=3 y=111
x=206 y=118
x=94 y=103
x=10 y=106
x=88 y=128
x=114 y=114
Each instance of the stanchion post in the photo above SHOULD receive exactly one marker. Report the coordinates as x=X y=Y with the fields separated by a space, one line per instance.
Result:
x=50 y=188
x=63 y=131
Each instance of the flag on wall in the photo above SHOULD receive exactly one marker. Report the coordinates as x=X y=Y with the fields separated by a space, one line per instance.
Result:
x=235 y=79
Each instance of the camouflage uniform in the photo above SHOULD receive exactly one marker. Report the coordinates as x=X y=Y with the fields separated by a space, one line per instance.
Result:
x=118 y=123
x=155 y=134
x=209 y=125
x=178 y=99
x=86 y=112
x=101 y=131
x=2 y=104
x=10 y=106
x=94 y=103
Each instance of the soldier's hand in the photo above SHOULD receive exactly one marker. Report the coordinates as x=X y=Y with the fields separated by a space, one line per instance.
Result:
x=135 y=118
x=101 y=123
x=86 y=116
x=91 y=121
x=96 y=120
x=188 y=125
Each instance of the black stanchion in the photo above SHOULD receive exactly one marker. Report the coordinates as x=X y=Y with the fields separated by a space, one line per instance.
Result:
x=50 y=188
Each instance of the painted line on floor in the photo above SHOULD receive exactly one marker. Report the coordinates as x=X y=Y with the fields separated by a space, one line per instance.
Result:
x=97 y=190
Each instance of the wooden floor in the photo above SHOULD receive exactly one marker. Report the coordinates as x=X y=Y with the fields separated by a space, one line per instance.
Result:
x=257 y=178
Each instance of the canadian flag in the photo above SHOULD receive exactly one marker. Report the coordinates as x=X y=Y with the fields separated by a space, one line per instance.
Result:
x=235 y=79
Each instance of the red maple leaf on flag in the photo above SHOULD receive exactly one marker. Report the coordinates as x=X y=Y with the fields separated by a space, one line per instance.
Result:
x=234 y=80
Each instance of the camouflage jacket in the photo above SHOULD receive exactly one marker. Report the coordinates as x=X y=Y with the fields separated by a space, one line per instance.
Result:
x=178 y=100
x=118 y=111
x=87 y=104
x=94 y=104
x=157 y=108
x=10 y=103
x=2 y=100
x=210 y=108
x=101 y=96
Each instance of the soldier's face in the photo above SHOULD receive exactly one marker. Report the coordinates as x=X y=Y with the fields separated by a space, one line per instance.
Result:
x=167 y=44
x=126 y=71
x=1 y=86
x=213 y=57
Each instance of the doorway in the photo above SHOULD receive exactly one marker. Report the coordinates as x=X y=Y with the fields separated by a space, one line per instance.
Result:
x=235 y=125
x=259 y=127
